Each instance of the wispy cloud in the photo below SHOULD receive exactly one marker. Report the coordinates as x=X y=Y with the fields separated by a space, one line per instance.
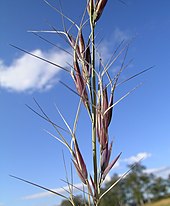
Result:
x=121 y=35
x=115 y=38
x=136 y=158
x=61 y=190
x=27 y=73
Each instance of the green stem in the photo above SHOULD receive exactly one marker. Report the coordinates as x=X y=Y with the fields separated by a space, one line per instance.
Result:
x=94 y=103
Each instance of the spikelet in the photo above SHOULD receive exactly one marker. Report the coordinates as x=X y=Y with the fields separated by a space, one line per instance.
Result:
x=104 y=118
x=105 y=157
x=81 y=44
x=109 y=167
x=73 y=44
x=80 y=83
x=100 y=5
x=79 y=163
x=86 y=67
x=108 y=114
x=90 y=7
x=102 y=131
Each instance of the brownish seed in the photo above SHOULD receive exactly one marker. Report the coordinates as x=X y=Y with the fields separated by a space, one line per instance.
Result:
x=109 y=167
x=81 y=44
x=90 y=6
x=106 y=157
x=79 y=163
x=73 y=44
x=100 y=5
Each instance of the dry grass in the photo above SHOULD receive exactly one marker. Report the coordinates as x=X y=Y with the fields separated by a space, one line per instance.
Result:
x=164 y=202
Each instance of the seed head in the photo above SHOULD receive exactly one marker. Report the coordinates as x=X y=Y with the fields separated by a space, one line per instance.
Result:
x=109 y=167
x=81 y=44
x=100 y=5
x=73 y=44
x=104 y=116
x=90 y=7
x=105 y=158
x=109 y=111
x=79 y=163
x=104 y=105
x=102 y=131
x=87 y=64
x=80 y=83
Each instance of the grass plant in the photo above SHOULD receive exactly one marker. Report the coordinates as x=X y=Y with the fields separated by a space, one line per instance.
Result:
x=96 y=90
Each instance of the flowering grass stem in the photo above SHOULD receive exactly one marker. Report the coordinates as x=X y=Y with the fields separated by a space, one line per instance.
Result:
x=96 y=89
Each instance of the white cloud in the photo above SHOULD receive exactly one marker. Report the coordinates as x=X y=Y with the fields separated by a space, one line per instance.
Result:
x=136 y=158
x=107 y=179
x=163 y=172
x=27 y=73
x=58 y=190
x=117 y=164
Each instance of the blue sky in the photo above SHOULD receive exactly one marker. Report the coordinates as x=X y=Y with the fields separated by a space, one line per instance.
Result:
x=140 y=125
